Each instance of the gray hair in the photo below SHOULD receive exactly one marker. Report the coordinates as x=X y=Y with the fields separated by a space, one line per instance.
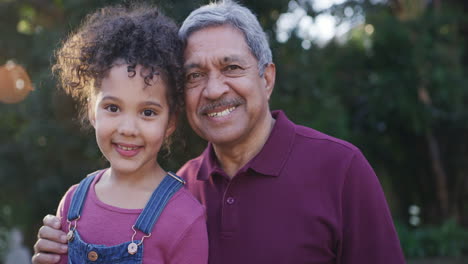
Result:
x=228 y=12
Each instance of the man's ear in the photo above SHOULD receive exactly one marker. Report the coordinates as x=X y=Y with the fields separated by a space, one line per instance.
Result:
x=269 y=76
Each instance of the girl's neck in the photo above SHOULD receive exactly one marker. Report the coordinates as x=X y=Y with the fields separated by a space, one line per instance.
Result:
x=140 y=179
x=129 y=191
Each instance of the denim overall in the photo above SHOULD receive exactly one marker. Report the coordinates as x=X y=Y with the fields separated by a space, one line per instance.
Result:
x=130 y=252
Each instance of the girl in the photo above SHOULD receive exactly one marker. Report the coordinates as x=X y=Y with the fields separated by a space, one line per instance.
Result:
x=125 y=66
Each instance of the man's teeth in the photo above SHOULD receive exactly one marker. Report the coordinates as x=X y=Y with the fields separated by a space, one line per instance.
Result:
x=222 y=113
x=127 y=148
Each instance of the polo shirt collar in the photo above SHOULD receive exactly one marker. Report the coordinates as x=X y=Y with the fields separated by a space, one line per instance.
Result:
x=271 y=158
x=209 y=163
x=274 y=154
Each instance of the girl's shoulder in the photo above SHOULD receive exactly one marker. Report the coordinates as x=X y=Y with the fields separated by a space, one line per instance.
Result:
x=67 y=197
x=185 y=198
x=184 y=207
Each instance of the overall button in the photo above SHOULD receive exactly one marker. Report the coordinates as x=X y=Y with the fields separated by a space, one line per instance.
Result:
x=230 y=200
x=92 y=255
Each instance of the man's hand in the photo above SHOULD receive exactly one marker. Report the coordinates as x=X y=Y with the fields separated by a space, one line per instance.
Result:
x=50 y=243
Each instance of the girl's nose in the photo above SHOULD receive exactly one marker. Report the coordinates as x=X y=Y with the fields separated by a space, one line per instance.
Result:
x=128 y=126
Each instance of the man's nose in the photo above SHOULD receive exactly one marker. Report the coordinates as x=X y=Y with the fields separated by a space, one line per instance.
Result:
x=216 y=87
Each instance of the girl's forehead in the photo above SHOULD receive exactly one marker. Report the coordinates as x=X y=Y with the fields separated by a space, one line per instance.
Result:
x=132 y=86
x=137 y=74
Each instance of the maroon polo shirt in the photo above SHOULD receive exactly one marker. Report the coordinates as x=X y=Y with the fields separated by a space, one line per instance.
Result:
x=305 y=198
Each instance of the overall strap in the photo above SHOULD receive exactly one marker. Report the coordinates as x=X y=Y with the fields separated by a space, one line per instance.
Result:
x=163 y=193
x=79 y=196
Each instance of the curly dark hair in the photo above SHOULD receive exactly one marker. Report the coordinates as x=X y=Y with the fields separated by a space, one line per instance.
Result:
x=137 y=35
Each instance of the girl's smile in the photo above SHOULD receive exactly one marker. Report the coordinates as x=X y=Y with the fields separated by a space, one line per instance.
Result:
x=127 y=150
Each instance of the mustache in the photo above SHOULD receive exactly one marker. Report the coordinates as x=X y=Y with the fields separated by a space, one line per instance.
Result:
x=220 y=103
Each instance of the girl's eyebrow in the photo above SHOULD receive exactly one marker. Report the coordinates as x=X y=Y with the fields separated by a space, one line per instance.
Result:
x=109 y=97
x=145 y=103
x=152 y=103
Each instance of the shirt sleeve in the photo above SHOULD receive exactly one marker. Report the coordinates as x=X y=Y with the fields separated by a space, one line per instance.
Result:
x=369 y=234
x=192 y=247
x=62 y=211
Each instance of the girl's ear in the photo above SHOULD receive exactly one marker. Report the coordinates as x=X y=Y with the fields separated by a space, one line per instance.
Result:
x=91 y=113
x=171 y=125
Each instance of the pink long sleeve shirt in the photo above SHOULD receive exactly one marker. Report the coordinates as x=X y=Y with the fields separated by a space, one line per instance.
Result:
x=178 y=237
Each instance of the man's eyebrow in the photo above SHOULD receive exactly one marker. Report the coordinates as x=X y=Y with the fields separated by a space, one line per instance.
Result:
x=191 y=66
x=233 y=58
x=223 y=60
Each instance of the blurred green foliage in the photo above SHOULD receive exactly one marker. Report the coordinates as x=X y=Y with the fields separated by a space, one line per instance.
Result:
x=399 y=92
x=446 y=240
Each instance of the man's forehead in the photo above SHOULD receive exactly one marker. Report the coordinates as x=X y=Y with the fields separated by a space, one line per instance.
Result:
x=212 y=35
x=217 y=44
x=216 y=27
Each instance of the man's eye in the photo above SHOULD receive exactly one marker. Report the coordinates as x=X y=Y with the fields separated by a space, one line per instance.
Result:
x=193 y=76
x=112 y=108
x=149 y=112
x=232 y=67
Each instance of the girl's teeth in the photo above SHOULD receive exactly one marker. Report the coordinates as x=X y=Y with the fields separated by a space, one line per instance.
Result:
x=222 y=113
x=127 y=148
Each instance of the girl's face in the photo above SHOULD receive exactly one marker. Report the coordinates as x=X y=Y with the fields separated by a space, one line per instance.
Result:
x=131 y=120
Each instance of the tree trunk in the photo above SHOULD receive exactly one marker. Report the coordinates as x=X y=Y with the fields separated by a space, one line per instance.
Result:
x=439 y=173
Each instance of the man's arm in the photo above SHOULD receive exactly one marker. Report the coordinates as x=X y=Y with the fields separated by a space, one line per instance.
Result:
x=50 y=243
x=369 y=235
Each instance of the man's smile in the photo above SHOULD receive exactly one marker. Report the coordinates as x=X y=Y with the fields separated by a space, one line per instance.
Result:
x=221 y=113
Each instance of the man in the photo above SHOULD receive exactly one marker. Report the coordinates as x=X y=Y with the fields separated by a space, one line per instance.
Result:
x=275 y=192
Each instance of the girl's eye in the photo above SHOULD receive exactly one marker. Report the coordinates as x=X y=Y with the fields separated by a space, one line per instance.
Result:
x=112 y=108
x=149 y=112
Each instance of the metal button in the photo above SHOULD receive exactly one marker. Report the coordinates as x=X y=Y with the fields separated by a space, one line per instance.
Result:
x=132 y=248
x=230 y=200
x=70 y=236
x=92 y=255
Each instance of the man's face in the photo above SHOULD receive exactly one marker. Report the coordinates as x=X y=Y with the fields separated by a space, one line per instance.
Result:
x=226 y=99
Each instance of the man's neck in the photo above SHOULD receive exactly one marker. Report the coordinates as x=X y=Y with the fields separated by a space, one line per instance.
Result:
x=234 y=156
